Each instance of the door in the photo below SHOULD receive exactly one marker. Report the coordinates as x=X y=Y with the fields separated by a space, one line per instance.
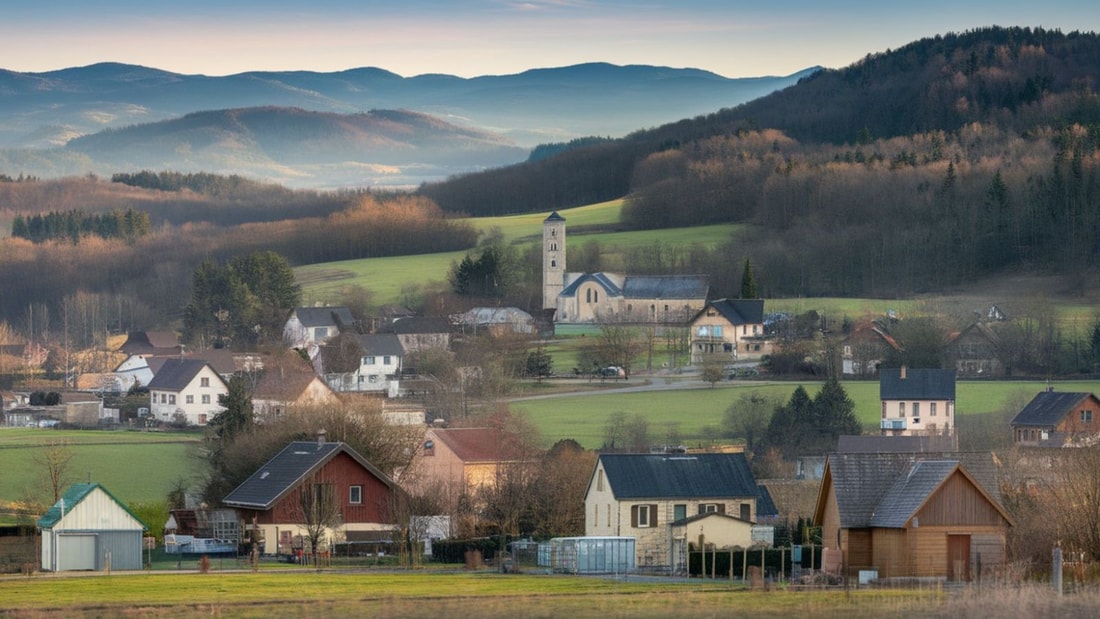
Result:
x=958 y=558
x=75 y=552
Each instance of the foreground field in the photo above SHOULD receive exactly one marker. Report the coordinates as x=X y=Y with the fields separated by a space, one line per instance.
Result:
x=695 y=414
x=492 y=595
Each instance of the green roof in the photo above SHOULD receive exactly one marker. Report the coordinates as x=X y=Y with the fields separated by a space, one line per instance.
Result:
x=72 y=497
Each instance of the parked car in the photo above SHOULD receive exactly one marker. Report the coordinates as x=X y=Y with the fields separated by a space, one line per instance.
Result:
x=613 y=371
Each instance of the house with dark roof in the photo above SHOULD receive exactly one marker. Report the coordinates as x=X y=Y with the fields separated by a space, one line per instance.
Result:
x=1058 y=419
x=496 y=321
x=313 y=326
x=917 y=401
x=976 y=351
x=274 y=501
x=378 y=369
x=89 y=529
x=641 y=495
x=912 y=515
x=730 y=329
x=419 y=333
x=151 y=343
x=186 y=390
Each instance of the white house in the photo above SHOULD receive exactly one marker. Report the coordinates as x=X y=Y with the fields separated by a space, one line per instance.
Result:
x=917 y=401
x=89 y=529
x=187 y=387
x=313 y=326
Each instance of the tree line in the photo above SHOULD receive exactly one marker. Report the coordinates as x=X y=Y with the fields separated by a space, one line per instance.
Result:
x=72 y=225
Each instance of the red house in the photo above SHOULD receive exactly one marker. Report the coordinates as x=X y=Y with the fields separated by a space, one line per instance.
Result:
x=318 y=485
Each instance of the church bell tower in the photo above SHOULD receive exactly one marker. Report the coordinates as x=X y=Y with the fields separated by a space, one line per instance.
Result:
x=553 y=259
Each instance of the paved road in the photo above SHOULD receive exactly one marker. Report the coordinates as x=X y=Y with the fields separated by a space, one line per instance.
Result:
x=635 y=384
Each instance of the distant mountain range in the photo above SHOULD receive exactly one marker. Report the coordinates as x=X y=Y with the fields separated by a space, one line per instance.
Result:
x=335 y=129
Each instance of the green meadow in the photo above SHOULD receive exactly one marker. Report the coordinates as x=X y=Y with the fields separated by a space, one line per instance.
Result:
x=137 y=467
x=390 y=279
x=695 y=414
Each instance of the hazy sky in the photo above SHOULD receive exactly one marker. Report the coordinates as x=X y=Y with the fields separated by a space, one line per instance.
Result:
x=492 y=37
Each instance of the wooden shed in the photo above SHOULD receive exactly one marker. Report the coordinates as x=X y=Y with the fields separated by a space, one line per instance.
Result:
x=912 y=515
x=89 y=529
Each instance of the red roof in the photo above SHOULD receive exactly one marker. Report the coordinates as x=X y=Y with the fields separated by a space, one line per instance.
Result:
x=480 y=444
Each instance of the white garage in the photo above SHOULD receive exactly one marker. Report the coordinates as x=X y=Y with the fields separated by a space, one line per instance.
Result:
x=89 y=529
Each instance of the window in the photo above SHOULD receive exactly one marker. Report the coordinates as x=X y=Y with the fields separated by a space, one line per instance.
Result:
x=679 y=512
x=710 y=508
x=1086 y=416
x=703 y=331
x=355 y=495
x=373 y=378
x=716 y=330
x=386 y=360
x=932 y=409
x=642 y=516
x=204 y=382
x=916 y=409
x=190 y=399
x=746 y=511
x=553 y=263
x=206 y=398
x=595 y=296
x=172 y=399
x=901 y=409
x=599 y=481
x=884 y=410
x=588 y=295
x=320 y=333
x=368 y=360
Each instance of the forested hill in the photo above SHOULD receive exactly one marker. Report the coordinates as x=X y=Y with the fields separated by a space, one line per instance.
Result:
x=1018 y=80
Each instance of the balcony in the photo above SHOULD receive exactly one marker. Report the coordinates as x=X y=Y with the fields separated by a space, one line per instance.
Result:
x=893 y=424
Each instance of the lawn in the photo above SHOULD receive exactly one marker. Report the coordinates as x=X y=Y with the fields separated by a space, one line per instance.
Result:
x=695 y=415
x=137 y=467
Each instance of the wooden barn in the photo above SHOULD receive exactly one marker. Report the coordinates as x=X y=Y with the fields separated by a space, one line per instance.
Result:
x=89 y=529
x=912 y=515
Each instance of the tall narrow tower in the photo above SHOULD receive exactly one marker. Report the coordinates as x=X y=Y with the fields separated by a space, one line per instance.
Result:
x=553 y=259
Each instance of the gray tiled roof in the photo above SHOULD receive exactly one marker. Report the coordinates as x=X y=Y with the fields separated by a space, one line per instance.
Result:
x=910 y=491
x=862 y=481
x=1048 y=408
x=740 y=311
x=869 y=443
x=609 y=286
x=323 y=316
x=287 y=469
x=381 y=344
x=679 y=476
x=918 y=384
x=765 y=506
x=418 y=324
x=666 y=287
x=554 y=217
x=176 y=374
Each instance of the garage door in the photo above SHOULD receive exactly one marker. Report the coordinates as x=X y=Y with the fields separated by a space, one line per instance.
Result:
x=75 y=552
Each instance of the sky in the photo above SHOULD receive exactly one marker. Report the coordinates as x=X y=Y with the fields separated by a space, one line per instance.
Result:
x=732 y=38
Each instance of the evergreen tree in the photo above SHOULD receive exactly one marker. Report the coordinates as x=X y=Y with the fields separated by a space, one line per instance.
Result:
x=834 y=415
x=791 y=423
x=748 y=282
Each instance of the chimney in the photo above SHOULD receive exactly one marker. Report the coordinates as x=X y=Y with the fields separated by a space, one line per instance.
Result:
x=903 y=372
x=320 y=438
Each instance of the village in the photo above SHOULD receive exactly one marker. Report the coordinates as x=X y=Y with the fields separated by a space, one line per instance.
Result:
x=898 y=504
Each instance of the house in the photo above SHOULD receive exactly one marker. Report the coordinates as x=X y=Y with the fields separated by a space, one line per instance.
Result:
x=288 y=381
x=710 y=530
x=186 y=390
x=313 y=326
x=912 y=515
x=496 y=321
x=137 y=370
x=640 y=495
x=89 y=529
x=866 y=443
x=463 y=460
x=1058 y=419
x=732 y=329
x=379 y=366
x=613 y=297
x=917 y=401
x=419 y=333
x=975 y=352
x=275 y=500
x=865 y=347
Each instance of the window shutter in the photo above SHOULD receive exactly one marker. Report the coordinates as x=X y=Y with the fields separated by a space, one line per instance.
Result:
x=702 y=508
x=634 y=516
x=653 y=515
x=721 y=508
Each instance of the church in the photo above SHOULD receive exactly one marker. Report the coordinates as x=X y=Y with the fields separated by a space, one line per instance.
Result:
x=588 y=298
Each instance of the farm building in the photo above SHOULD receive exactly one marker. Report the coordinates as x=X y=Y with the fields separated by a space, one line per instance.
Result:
x=912 y=515
x=89 y=529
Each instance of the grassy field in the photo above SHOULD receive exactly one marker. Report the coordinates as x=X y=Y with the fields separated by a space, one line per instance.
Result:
x=696 y=414
x=483 y=594
x=136 y=467
x=387 y=278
